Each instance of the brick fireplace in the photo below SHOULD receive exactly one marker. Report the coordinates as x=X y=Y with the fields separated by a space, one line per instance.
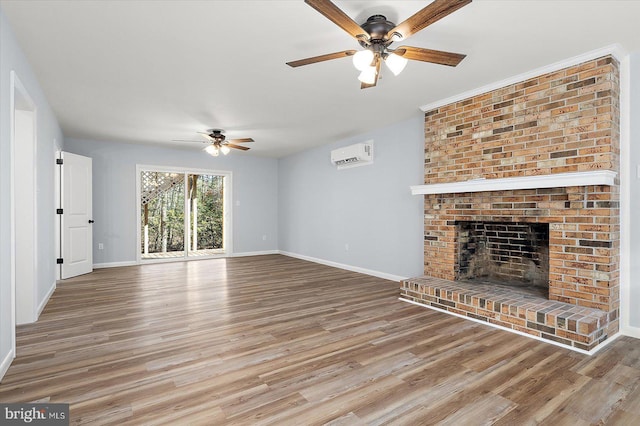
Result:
x=557 y=125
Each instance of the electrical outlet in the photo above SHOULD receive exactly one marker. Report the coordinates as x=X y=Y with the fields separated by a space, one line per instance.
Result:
x=264 y=238
x=237 y=202
x=100 y=246
x=346 y=247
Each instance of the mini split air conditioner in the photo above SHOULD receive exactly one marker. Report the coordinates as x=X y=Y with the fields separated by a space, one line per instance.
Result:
x=356 y=155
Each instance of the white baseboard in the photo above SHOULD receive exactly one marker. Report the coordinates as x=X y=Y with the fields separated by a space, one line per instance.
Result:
x=6 y=362
x=631 y=331
x=510 y=330
x=45 y=300
x=607 y=342
x=114 y=264
x=254 y=253
x=365 y=271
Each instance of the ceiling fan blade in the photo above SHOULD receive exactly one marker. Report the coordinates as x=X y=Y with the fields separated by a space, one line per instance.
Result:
x=183 y=140
x=241 y=140
x=429 y=55
x=206 y=135
x=230 y=145
x=375 y=82
x=427 y=16
x=321 y=58
x=338 y=17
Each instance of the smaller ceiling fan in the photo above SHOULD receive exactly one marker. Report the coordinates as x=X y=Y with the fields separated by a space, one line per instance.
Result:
x=218 y=142
x=377 y=34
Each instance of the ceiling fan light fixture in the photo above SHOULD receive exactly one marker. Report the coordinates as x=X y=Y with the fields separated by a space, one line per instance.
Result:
x=395 y=63
x=376 y=35
x=368 y=75
x=225 y=149
x=362 y=59
x=212 y=150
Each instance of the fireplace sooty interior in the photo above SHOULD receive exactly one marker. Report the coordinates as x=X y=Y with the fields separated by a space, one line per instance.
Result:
x=513 y=254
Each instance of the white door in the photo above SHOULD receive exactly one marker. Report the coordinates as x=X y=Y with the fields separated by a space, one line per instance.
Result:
x=77 y=219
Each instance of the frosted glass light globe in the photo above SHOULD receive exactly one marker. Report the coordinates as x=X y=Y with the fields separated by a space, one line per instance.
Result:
x=368 y=75
x=212 y=150
x=395 y=63
x=362 y=59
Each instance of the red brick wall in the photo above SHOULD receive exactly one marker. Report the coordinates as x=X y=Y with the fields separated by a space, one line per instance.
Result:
x=560 y=122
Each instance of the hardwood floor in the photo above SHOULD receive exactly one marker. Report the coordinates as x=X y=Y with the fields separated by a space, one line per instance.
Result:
x=277 y=340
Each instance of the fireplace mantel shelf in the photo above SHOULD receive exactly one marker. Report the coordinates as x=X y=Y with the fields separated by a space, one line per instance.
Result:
x=558 y=180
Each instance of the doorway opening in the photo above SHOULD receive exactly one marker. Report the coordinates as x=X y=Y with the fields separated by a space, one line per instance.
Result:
x=24 y=223
x=183 y=214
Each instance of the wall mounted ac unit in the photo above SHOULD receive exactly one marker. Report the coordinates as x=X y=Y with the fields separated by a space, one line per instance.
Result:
x=359 y=154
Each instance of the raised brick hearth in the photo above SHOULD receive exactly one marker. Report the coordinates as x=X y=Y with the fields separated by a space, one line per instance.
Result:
x=566 y=121
x=521 y=310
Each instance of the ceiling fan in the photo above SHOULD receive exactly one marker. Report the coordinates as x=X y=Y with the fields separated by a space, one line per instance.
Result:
x=218 y=142
x=377 y=34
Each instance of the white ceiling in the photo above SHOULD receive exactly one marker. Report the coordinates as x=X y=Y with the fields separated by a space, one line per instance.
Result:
x=153 y=71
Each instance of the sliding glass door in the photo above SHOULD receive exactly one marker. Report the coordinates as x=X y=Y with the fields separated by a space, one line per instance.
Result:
x=206 y=214
x=183 y=214
x=162 y=214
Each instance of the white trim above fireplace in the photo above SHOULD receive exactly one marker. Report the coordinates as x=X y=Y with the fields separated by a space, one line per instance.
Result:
x=558 y=180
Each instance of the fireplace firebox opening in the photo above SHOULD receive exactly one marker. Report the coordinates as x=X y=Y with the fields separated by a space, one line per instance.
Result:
x=514 y=254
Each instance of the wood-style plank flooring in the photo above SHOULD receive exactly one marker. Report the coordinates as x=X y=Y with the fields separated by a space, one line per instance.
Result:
x=277 y=340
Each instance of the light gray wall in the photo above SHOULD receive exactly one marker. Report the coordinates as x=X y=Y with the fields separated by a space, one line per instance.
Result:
x=634 y=304
x=370 y=208
x=12 y=58
x=255 y=188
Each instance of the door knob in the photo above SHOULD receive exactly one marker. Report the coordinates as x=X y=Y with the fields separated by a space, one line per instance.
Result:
x=91 y=221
